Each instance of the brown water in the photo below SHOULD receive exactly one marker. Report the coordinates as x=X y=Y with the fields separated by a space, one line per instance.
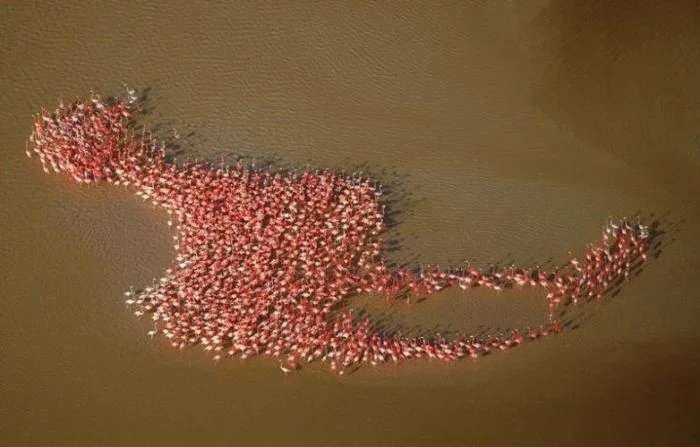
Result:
x=512 y=131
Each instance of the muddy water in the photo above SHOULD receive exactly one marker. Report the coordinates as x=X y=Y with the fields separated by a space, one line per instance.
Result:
x=509 y=133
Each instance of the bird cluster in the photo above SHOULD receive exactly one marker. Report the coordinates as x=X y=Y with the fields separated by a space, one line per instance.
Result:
x=67 y=139
x=266 y=260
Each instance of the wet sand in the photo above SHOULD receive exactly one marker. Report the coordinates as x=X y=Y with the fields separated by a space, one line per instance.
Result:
x=511 y=133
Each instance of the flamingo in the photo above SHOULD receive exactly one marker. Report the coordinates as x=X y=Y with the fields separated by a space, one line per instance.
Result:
x=284 y=368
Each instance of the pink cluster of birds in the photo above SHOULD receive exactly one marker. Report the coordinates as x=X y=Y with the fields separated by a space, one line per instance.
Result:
x=265 y=260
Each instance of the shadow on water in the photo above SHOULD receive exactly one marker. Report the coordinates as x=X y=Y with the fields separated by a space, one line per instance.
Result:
x=165 y=132
x=633 y=94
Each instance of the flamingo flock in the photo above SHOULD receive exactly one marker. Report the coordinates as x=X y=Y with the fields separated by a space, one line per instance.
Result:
x=265 y=260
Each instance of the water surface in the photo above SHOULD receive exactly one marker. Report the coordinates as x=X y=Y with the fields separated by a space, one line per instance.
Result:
x=510 y=132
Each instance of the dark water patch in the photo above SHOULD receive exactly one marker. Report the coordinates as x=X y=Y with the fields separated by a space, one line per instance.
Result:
x=623 y=76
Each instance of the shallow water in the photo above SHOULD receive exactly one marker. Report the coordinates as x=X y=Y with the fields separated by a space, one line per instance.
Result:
x=510 y=133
